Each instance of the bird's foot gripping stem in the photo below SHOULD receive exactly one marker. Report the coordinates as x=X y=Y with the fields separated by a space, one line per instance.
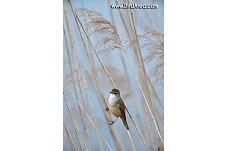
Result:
x=112 y=122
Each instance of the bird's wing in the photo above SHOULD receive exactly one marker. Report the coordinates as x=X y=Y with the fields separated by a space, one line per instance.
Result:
x=122 y=108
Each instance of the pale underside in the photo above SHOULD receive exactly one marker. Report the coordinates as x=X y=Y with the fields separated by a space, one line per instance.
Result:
x=115 y=110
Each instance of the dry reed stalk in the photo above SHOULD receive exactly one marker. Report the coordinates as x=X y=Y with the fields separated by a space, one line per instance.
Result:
x=134 y=45
x=88 y=117
x=120 y=52
x=154 y=43
x=156 y=95
x=70 y=65
x=138 y=116
x=74 y=84
x=127 y=55
x=128 y=34
x=146 y=81
x=147 y=122
x=130 y=137
x=127 y=31
x=125 y=26
x=74 y=122
x=126 y=73
x=104 y=68
x=150 y=85
x=69 y=135
x=141 y=90
x=78 y=140
x=89 y=102
x=159 y=102
x=76 y=129
x=136 y=54
x=69 y=60
x=67 y=141
x=86 y=128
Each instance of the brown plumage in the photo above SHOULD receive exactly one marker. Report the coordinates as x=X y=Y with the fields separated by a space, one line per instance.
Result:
x=123 y=117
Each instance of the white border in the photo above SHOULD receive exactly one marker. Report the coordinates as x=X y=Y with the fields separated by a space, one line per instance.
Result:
x=31 y=78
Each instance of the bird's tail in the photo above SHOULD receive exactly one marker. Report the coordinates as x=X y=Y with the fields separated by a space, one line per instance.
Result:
x=124 y=122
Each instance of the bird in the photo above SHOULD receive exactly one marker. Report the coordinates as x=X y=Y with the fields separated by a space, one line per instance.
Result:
x=117 y=107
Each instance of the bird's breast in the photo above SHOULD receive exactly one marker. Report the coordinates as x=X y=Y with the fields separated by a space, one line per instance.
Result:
x=113 y=106
x=115 y=110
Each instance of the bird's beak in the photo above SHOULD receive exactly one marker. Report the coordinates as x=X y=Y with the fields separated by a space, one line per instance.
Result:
x=111 y=92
